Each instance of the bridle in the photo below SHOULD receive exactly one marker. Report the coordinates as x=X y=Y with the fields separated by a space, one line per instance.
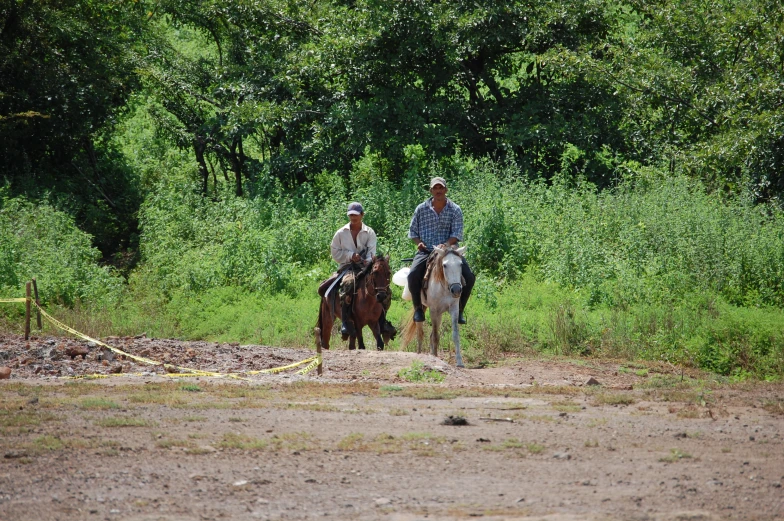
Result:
x=372 y=277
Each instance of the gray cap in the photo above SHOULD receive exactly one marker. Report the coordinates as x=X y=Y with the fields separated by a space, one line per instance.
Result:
x=437 y=181
x=355 y=209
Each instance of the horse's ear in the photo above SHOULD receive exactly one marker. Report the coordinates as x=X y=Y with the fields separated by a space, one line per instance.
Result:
x=460 y=251
x=439 y=250
x=387 y=258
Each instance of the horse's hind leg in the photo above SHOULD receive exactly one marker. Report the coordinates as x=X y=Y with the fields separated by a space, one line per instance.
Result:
x=324 y=327
x=360 y=338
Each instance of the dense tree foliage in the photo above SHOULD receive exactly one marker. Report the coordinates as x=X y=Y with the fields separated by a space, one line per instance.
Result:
x=264 y=92
x=65 y=70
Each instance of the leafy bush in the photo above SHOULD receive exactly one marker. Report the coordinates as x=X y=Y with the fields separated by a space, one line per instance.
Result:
x=37 y=241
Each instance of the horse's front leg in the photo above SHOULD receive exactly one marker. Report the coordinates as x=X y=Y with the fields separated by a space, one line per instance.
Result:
x=376 y=329
x=360 y=338
x=454 y=312
x=435 y=333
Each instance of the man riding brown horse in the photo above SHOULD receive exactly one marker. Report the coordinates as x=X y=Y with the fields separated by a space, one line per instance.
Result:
x=353 y=248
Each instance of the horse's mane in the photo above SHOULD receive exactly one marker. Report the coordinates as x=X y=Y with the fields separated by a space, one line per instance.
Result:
x=437 y=273
x=367 y=270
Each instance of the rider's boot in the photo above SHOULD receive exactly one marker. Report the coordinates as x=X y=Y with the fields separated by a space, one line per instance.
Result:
x=387 y=327
x=347 y=328
x=461 y=318
x=419 y=314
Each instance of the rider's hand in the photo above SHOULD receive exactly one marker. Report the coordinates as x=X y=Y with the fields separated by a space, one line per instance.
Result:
x=355 y=257
x=421 y=246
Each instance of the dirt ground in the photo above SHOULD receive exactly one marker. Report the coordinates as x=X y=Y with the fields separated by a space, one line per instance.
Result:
x=523 y=439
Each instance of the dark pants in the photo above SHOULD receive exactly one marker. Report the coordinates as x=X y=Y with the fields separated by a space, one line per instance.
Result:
x=417 y=273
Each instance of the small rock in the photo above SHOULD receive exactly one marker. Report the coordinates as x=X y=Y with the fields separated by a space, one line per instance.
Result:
x=13 y=454
x=591 y=381
x=382 y=501
x=262 y=501
x=5 y=373
x=454 y=420
x=243 y=483
x=117 y=369
x=562 y=455
x=75 y=351
x=483 y=440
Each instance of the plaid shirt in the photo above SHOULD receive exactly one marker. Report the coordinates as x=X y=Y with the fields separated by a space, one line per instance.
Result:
x=434 y=229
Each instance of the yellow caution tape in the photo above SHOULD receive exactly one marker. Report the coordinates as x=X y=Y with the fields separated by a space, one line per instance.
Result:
x=22 y=299
x=316 y=361
x=181 y=371
x=283 y=368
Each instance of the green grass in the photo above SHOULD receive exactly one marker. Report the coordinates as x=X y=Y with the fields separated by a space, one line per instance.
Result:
x=98 y=404
x=418 y=374
x=122 y=421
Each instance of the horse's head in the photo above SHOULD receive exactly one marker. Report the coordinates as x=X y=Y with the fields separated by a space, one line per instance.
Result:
x=451 y=261
x=380 y=276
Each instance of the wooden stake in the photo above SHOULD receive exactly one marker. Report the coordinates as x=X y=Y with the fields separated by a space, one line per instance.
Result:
x=318 y=353
x=37 y=303
x=27 y=312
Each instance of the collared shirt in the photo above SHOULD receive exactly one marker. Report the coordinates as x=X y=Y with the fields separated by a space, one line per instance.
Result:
x=343 y=247
x=433 y=228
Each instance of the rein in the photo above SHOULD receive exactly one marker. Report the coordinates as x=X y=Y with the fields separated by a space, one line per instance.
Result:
x=375 y=288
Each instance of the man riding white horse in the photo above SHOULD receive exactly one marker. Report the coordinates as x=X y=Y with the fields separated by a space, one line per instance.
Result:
x=436 y=221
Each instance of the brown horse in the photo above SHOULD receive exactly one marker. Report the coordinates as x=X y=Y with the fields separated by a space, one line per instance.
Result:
x=371 y=289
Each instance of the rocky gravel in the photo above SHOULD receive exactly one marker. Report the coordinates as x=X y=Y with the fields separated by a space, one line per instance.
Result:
x=90 y=434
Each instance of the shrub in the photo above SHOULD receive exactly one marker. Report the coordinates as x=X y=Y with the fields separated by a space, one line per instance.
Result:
x=37 y=241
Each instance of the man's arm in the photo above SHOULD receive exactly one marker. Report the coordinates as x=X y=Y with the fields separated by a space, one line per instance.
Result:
x=421 y=246
x=371 y=245
x=339 y=254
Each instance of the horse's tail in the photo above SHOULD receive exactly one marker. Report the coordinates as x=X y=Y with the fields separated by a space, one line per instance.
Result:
x=409 y=330
x=318 y=328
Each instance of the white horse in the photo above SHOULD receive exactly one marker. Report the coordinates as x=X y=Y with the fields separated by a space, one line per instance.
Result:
x=442 y=295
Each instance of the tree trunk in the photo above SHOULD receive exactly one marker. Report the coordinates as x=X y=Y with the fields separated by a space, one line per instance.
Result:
x=198 y=148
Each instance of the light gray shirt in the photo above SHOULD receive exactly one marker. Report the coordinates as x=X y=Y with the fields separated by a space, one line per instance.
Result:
x=343 y=247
